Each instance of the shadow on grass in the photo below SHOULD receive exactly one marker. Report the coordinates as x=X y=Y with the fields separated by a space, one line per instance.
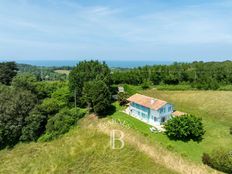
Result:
x=110 y=111
x=185 y=139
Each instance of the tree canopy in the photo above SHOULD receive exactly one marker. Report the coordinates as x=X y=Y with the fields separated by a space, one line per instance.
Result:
x=87 y=71
x=15 y=107
x=97 y=95
x=201 y=75
x=7 y=71
x=185 y=127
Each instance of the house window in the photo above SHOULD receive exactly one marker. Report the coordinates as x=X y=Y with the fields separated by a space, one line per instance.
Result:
x=163 y=119
x=155 y=119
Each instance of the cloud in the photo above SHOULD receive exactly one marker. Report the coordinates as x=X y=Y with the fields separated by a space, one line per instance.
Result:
x=105 y=30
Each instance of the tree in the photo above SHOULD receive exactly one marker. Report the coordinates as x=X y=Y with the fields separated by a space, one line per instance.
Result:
x=97 y=95
x=34 y=126
x=15 y=107
x=87 y=71
x=61 y=123
x=185 y=127
x=25 y=81
x=62 y=95
x=50 y=106
x=45 y=89
x=122 y=98
x=146 y=84
x=7 y=71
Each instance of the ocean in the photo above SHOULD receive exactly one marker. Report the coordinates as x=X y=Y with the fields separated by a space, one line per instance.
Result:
x=112 y=64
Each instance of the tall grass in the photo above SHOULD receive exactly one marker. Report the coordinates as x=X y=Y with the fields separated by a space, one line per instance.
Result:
x=82 y=150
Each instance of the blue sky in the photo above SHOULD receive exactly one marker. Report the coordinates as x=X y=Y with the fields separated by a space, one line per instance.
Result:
x=159 y=30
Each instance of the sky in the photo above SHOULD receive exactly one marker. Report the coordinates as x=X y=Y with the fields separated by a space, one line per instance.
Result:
x=157 y=30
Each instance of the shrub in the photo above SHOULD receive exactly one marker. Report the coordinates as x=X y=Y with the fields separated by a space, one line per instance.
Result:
x=220 y=159
x=45 y=89
x=206 y=84
x=146 y=84
x=50 y=106
x=185 y=127
x=206 y=159
x=35 y=126
x=122 y=98
x=62 y=94
x=231 y=130
x=61 y=123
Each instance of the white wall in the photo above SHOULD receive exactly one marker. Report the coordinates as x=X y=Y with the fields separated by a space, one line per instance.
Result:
x=154 y=113
x=158 y=115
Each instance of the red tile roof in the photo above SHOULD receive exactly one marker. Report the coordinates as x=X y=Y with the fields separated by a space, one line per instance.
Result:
x=146 y=101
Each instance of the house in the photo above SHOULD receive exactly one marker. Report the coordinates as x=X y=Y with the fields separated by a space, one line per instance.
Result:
x=149 y=110
x=121 y=89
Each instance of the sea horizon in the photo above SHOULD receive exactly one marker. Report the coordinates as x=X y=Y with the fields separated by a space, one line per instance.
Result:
x=110 y=63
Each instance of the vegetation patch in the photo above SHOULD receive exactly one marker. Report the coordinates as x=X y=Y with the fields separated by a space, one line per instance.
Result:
x=185 y=128
x=220 y=159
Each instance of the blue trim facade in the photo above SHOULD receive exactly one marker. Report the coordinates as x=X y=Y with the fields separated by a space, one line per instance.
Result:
x=150 y=116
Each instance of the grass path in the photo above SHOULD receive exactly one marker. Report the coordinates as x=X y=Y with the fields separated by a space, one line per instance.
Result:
x=154 y=151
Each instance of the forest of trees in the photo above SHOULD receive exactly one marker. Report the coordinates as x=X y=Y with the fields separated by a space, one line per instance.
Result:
x=31 y=109
x=34 y=109
x=200 y=75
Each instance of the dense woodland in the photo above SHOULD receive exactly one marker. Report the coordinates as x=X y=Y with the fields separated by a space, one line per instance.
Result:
x=209 y=75
x=35 y=109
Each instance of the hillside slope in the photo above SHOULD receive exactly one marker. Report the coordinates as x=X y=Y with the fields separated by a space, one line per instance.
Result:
x=82 y=150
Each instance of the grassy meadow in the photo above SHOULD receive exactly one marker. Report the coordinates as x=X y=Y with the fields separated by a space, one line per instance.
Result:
x=82 y=150
x=214 y=107
x=62 y=71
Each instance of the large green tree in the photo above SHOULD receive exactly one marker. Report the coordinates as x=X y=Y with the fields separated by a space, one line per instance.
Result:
x=97 y=95
x=7 y=71
x=185 y=127
x=15 y=106
x=87 y=71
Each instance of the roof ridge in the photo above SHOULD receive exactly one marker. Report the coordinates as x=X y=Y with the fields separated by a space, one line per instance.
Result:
x=146 y=101
x=151 y=97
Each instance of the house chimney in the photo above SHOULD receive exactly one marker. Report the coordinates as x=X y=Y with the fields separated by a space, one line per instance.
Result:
x=152 y=101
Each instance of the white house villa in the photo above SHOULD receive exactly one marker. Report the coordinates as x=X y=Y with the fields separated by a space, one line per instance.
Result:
x=150 y=110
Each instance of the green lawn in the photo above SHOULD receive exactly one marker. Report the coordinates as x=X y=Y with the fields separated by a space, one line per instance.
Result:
x=215 y=107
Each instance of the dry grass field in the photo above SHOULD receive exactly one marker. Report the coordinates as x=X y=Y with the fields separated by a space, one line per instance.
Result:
x=83 y=150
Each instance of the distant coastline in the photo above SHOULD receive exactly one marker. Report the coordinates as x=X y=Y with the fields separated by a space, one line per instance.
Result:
x=112 y=64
